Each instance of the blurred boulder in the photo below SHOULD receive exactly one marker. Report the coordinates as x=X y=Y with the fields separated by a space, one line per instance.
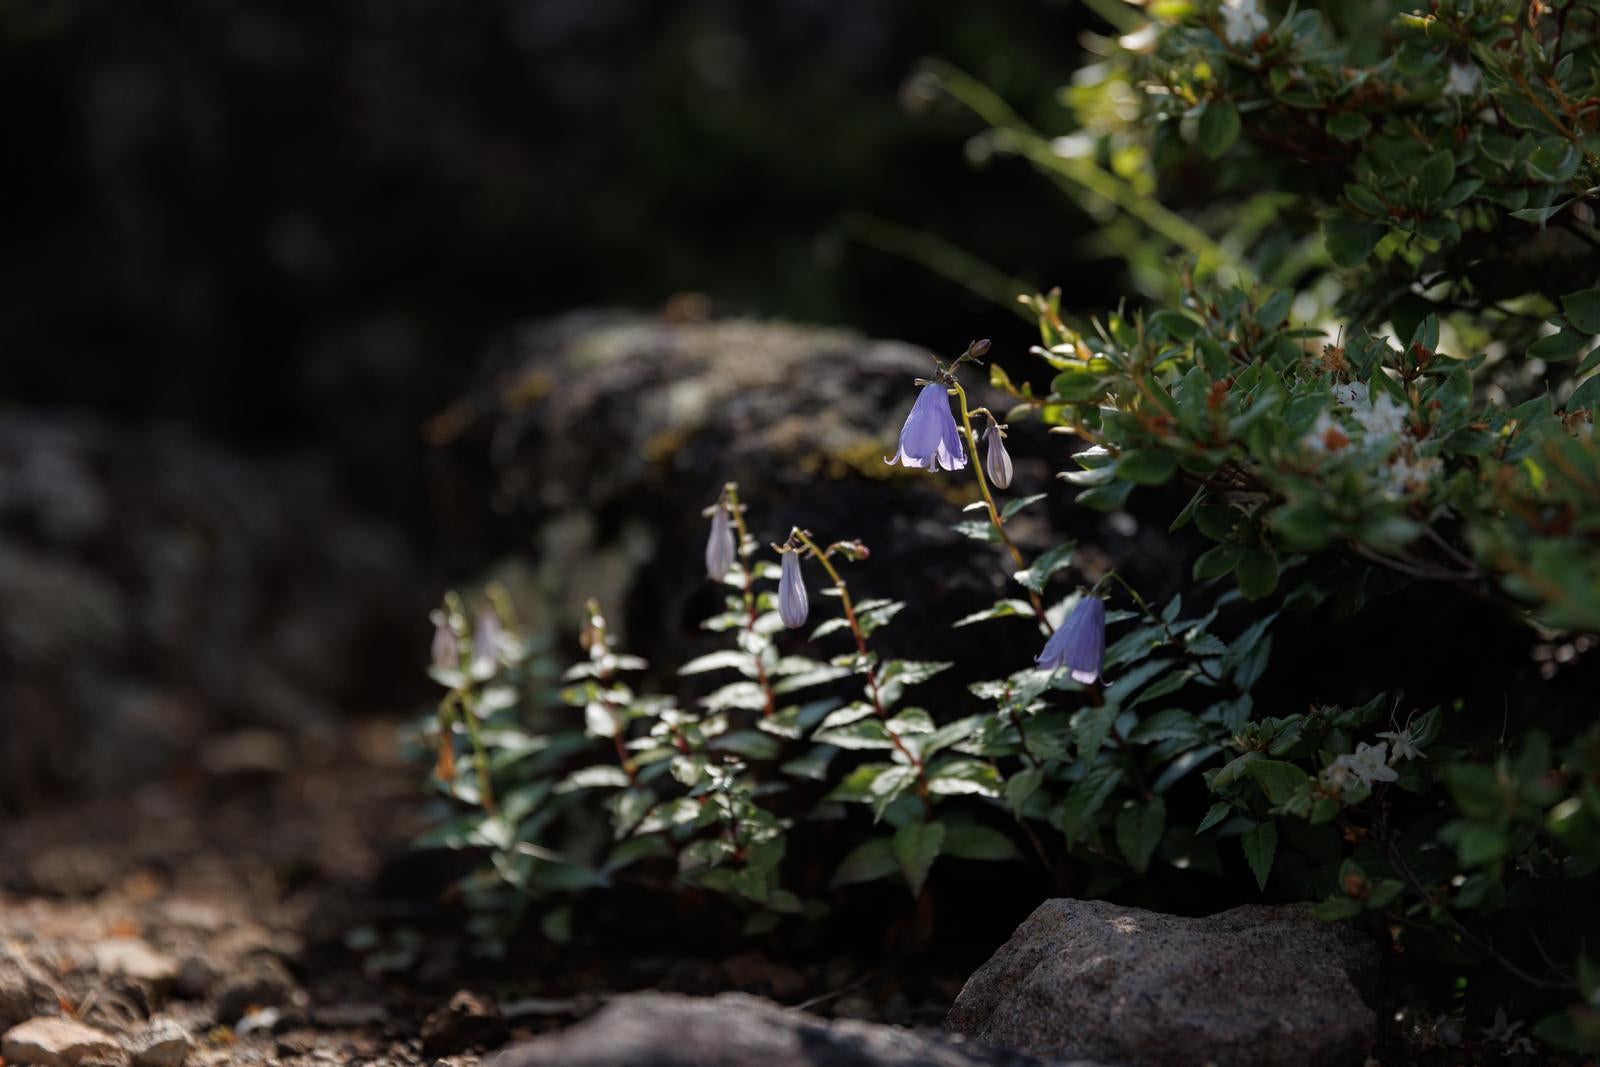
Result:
x=155 y=587
x=736 y=1030
x=598 y=438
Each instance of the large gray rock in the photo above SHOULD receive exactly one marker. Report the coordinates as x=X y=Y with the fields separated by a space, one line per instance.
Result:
x=1251 y=987
x=735 y=1030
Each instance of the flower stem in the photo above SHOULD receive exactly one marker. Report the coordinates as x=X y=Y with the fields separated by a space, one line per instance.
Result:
x=849 y=617
x=746 y=550
x=995 y=520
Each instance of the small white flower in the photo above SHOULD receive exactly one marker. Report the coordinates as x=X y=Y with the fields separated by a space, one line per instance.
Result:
x=1368 y=763
x=1241 y=21
x=1326 y=436
x=1350 y=395
x=1405 y=746
x=1463 y=80
x=1385 y=418
x=1406 y=475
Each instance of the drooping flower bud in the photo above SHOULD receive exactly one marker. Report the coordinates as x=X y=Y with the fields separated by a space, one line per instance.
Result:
x=1079 y=644
x=720 y=546
x=485 y=643
x=996 y=460
x=446 y=652
x=929 y=439
x=792 y=603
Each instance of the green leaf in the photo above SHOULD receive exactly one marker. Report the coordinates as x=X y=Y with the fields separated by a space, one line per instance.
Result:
x=1557 y=347
x=1139 y=830
x=866 y=863
x=1036 y=576
x=1349 y=125
x=1435 y=175
x=1583 y=310
x=1336 y=909
x=1106 y=497
x=1091 y=729
x=1014 y=506
x=1022 y=785
x=970 y=841
x=1217 y=561
x=1349 y=242
x=1218 y=811
x=965 y=776
x=1084 y=800
x=1260 y=845
x=1219 y=127
x=916 y=846
x=1279 y=780
x=1258 y=573
x=1145 y=466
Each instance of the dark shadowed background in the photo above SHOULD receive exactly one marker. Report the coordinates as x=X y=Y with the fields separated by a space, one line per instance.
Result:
x=251 y=248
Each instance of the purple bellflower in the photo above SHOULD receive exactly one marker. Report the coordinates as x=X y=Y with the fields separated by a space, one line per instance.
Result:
x=446 y=654
x=1079 y=644
x=792 y=604
x=720 y=548
x=930 y=439
x=996 y=460
x=485 y=644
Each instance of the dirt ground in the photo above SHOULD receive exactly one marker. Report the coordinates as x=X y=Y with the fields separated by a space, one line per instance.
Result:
x=266 y=904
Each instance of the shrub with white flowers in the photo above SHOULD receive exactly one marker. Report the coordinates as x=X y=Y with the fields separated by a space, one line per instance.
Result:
x=1372 y=379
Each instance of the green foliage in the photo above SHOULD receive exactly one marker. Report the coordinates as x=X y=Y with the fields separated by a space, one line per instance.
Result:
x=1377 y=369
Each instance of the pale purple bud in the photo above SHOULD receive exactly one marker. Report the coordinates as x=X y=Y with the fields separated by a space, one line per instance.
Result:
x=1080 y=642
x=996 y=460
x=486 y=643
x=446 y=653
x=930 y=439
x=720 y=547
x=792 y=604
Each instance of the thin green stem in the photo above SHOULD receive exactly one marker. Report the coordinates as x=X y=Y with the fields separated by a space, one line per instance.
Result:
x=849 y=617
x=995 y=518
x=746 y=550
x=989 y=106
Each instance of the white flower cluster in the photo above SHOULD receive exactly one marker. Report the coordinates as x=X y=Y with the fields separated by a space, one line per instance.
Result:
x=1370 y=764
x=1242 y=21
x=1381 y=425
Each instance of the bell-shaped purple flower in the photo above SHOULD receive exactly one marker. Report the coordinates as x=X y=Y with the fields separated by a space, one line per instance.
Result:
x=720 y=547
x=792 y=604
x=486 y=644
x=930 y=439
x=446 y=652
x=1079 y=644
x=996 y=460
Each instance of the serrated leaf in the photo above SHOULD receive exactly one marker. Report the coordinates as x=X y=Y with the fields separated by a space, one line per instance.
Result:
x=1260 y=846
x=1279 y=780
x=1214 y=815
x=1139 y=830
x=970 y=841
x=867 y=862
x=1035 y=578
x=916 y=846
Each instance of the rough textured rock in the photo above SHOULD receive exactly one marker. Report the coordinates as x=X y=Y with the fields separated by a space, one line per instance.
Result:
x=1251 y=987
x=469 y=1020
x=735 y=1030
x=163 y=1043
x=55 y=1042
x=134 y=959
x=259 y=981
